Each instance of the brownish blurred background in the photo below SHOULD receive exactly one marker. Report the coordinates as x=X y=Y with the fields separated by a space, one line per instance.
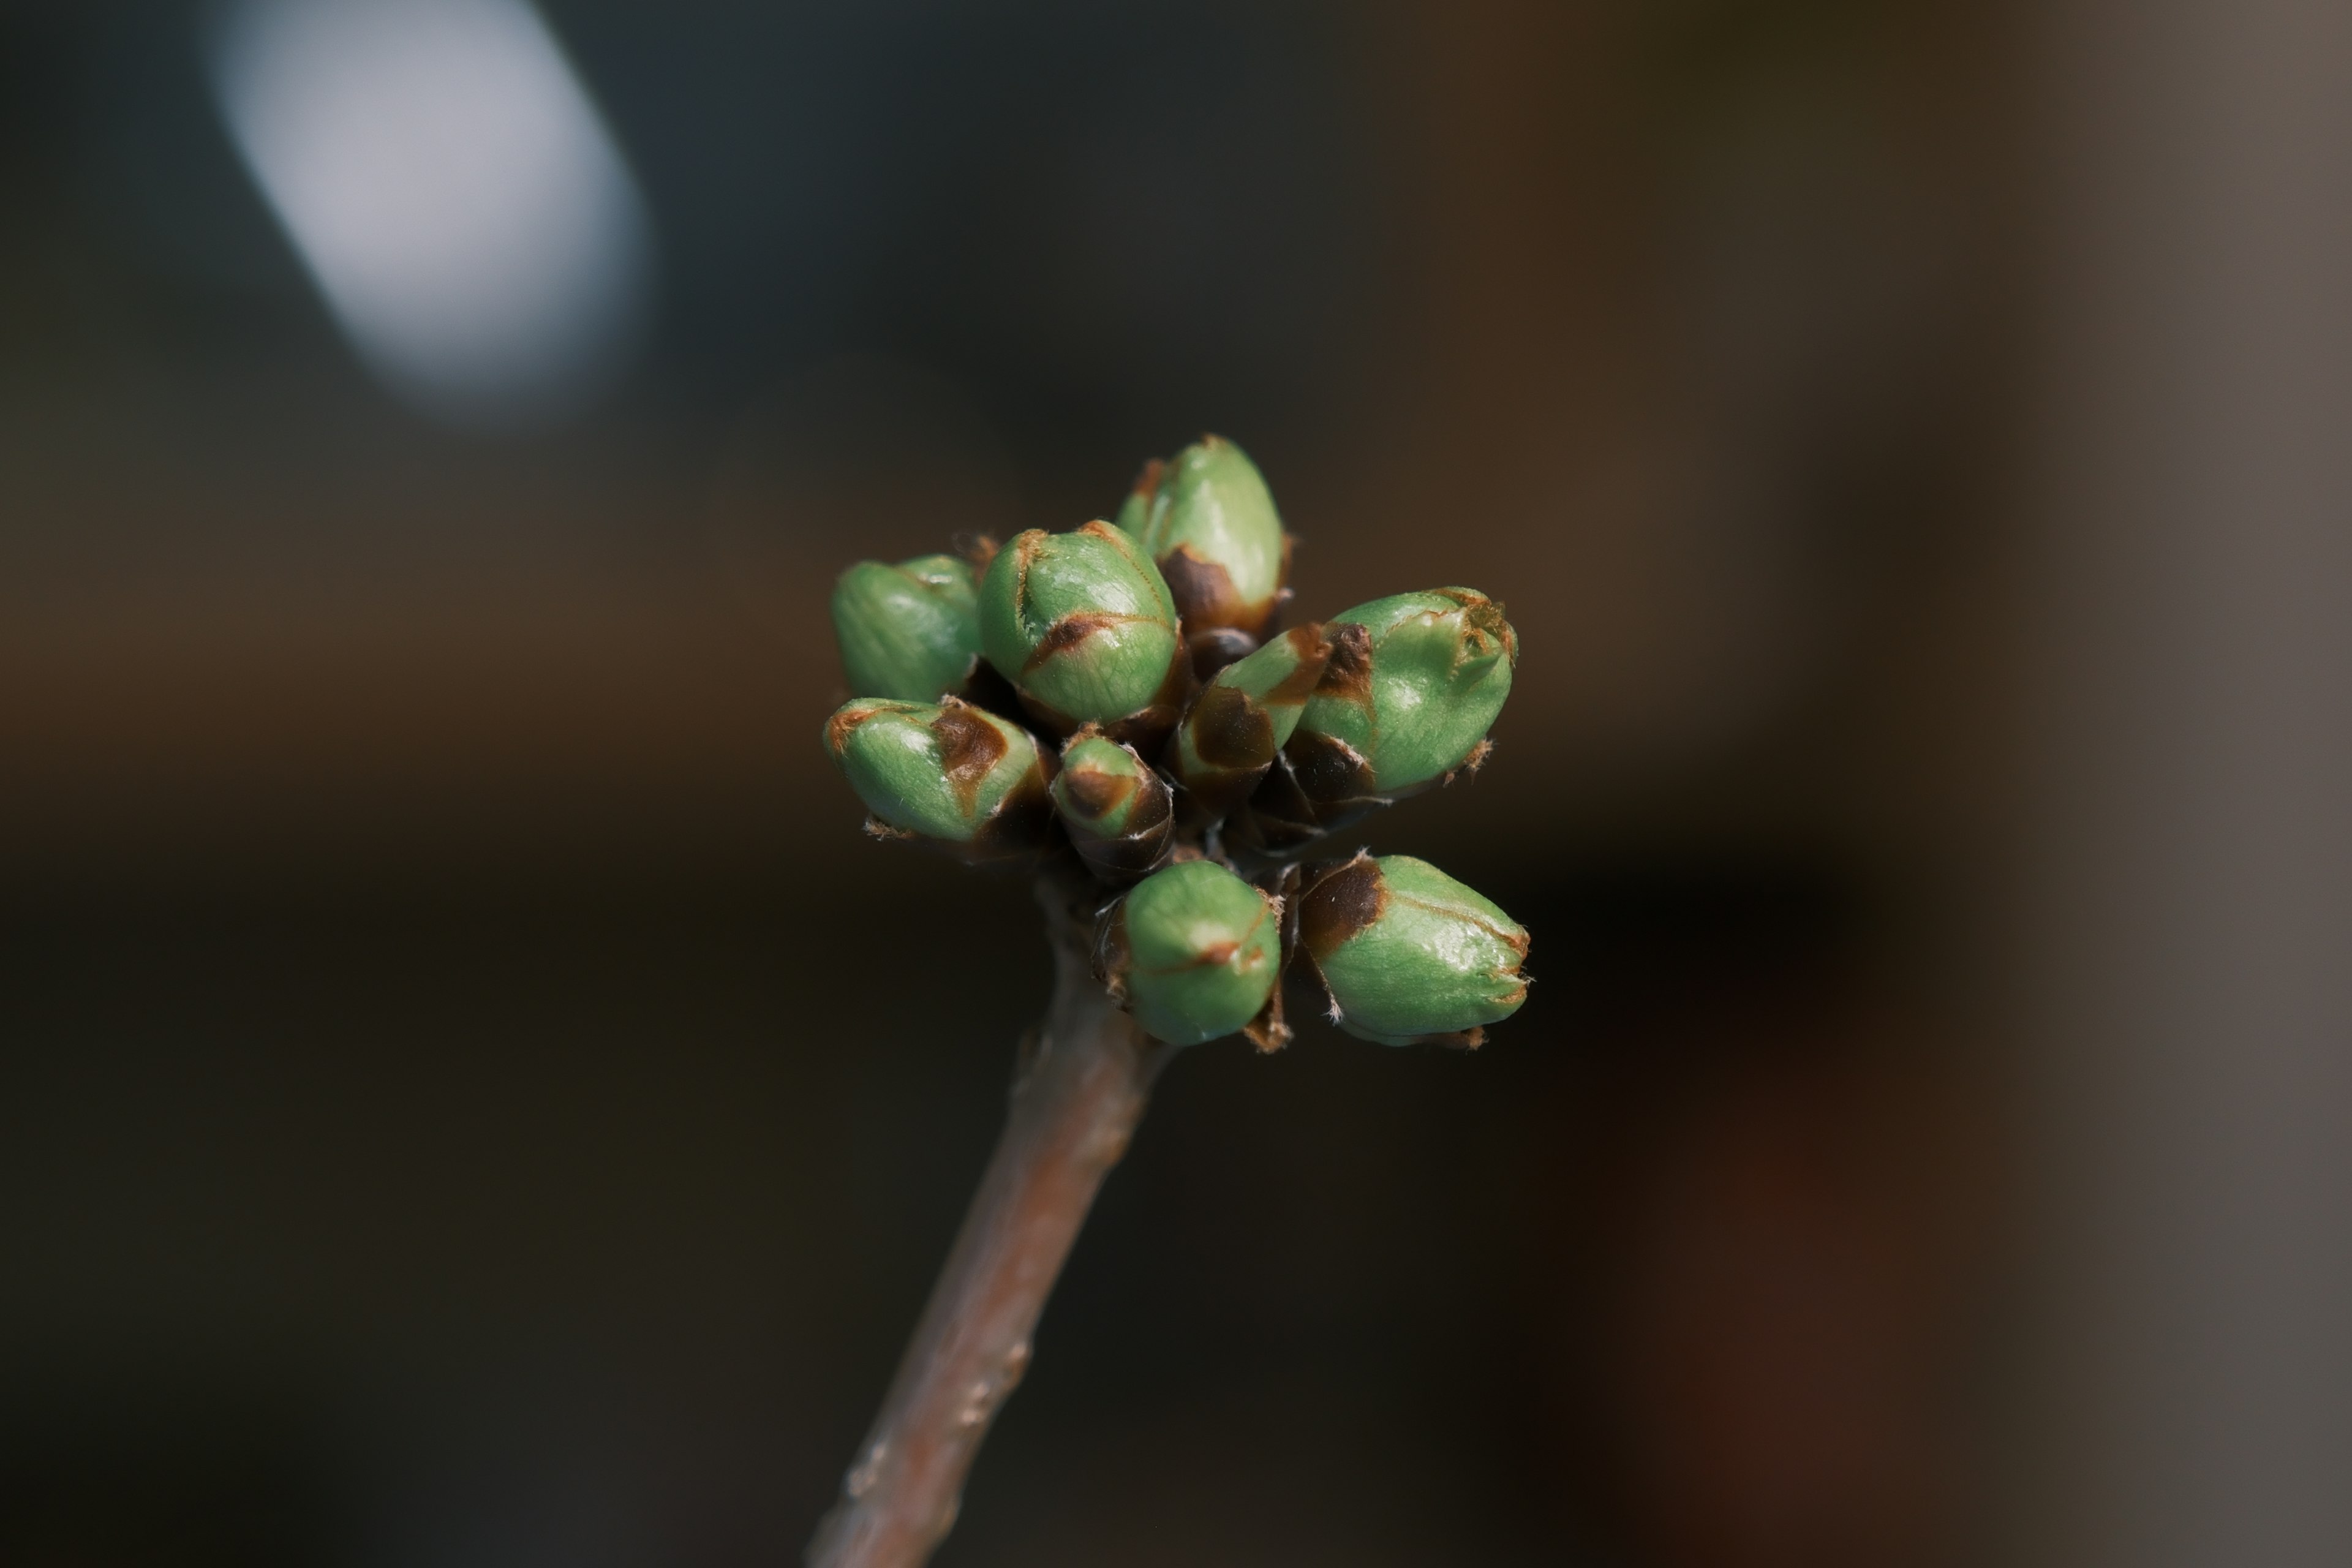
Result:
x=469 y=1095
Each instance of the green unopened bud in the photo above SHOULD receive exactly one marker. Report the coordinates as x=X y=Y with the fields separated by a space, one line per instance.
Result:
x=1117 y=809
x=1242 y=719
x=1211 y=529
x=910 y=631
x=1414 y=684
x=1408 y=955
x=952 y=772
x=1195 y=952
x=1135 y=512
x=1082 y=626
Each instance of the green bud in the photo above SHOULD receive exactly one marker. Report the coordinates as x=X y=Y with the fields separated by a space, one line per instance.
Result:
x=1415 y=694
x=910 y=631
x=952 y=772
x=1195 y=952
x=1135 y=512
x=1117 y=809
x=1407 y=955
x=1414 y=684
x=1239 y=722
x=1211 y=529
x=1082 y=626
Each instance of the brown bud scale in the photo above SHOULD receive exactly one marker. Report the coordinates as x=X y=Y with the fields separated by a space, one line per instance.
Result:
x=969 y=747
x=1338 y=904
x=1070 y=631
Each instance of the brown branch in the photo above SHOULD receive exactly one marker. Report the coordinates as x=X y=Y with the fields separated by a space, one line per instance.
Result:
x=1079 y=1089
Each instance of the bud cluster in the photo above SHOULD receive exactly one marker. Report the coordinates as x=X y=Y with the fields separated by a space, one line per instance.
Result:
x=1120 y=697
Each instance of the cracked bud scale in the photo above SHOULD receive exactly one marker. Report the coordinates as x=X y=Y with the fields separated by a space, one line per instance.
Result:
x=1414 y=683
x=950 y=773
x=1242 y=720
x=910 y=631
x=1210 y=527
x=1195 y=953
x=1083 y=627
x=1116 y=808
x=1407 y=955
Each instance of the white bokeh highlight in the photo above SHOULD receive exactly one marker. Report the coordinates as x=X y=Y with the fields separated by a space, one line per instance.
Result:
x=451 y=189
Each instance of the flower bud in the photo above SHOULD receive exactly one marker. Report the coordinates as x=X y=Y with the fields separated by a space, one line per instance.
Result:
x=1195 y=952
x=910 y=632
x=1211 y=529
x=1115 y=807
x=1082 y=626
x=1414 y=684
x=1241 y=719
x=1408 y=955
x=1135 y=512
x=952 y=772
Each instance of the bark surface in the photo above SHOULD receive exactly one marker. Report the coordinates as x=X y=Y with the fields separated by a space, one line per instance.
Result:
x=1084 y=1076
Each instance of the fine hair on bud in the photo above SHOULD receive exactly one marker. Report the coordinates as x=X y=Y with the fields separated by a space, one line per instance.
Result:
x=1405 y=954
x=954 y=774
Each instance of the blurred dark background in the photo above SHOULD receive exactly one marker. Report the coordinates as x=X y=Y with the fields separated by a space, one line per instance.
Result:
x=469 y=1095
